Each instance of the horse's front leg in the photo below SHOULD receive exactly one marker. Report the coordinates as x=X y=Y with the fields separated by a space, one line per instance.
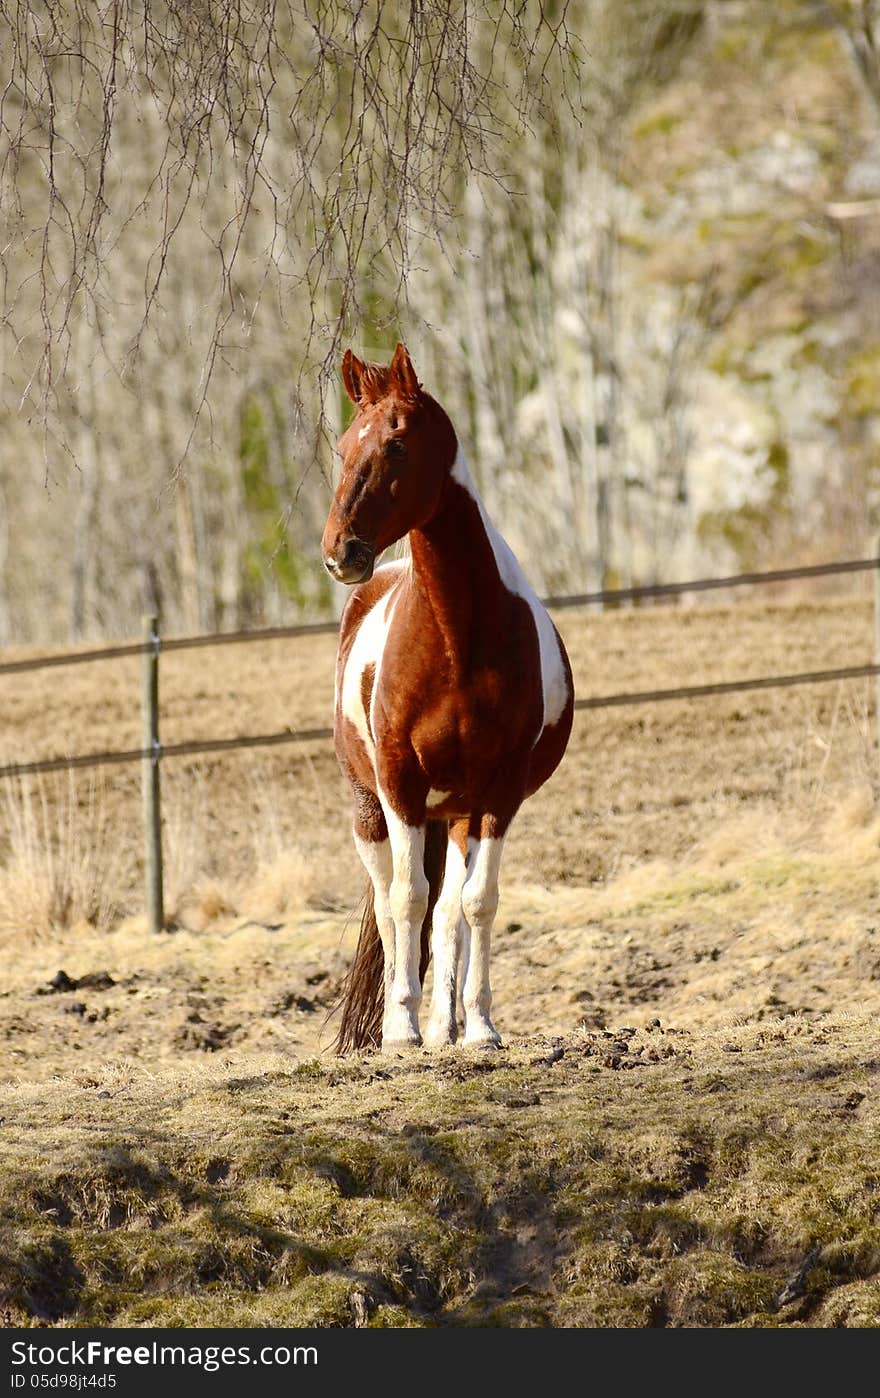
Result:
x=408 y=898
x=445 y=928
x=479 y=901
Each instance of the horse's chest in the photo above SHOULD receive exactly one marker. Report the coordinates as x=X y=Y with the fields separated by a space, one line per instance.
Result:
x=456 y=721
x=460 y=732
x=463 y=716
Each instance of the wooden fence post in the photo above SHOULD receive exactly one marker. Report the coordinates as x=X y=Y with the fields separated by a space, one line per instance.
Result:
x=150 y=776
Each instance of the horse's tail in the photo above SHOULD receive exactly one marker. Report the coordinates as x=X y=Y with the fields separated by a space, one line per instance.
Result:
x=363 y=990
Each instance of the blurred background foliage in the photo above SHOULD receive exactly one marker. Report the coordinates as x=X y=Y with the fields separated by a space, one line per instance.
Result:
x=632 y=245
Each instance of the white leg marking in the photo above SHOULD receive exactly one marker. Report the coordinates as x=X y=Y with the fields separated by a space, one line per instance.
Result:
x=436 y=798
x=409 y=903
x=444 y=948
x=376 y=859
x=464 y=932
x=479 y=901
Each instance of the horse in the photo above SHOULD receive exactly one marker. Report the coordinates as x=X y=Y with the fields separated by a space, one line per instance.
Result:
x=453 y=704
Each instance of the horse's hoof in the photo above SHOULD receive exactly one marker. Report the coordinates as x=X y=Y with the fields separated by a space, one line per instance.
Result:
x=480 y=1032
x=400 y=1045
x=440 y=1037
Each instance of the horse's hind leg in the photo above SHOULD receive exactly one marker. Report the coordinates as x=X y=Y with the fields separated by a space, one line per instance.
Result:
x=447 y=917
x=479 y=901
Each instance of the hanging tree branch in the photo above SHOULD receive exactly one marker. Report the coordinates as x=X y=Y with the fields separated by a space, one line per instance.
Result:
x=303 y=139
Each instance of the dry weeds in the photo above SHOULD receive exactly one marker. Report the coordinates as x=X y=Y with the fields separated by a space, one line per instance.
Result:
x=713 y=866
x=62 y=866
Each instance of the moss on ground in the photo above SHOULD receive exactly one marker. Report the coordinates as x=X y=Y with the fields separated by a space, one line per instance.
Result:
x=723 y=1184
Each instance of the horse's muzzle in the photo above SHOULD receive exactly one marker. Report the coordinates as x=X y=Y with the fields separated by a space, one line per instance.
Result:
x=352 y=562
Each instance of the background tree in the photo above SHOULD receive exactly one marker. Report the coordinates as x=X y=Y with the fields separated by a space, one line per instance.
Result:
x=594 y=222
x=194 y=197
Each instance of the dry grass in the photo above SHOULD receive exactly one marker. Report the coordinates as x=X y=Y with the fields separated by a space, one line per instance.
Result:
x=714 y=866
x=769 y=913
x=724 y=1180
x=63 y=864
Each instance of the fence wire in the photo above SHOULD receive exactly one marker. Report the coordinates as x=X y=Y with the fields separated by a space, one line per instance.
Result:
x=206 y=746
x=609 y=597
x=647 y=591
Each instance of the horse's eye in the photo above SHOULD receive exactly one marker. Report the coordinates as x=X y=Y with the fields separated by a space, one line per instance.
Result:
x=395 y=447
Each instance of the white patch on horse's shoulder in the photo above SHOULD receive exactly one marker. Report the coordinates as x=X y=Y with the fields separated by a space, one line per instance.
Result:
x=436 y=798
x=553 y=677
x=362 y=431
x=367 y=649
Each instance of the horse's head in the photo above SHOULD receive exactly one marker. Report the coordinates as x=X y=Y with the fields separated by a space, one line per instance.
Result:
x=396 y=457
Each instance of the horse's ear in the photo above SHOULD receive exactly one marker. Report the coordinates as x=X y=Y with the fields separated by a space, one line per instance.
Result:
x=403 y=373
x=352 y=371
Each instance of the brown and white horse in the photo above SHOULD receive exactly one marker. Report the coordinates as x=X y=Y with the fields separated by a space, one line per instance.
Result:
x=453 y=703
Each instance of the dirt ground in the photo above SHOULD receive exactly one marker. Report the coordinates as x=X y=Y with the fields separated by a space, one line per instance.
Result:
x=650 y=1177
x=705 y=859
x=712 y=865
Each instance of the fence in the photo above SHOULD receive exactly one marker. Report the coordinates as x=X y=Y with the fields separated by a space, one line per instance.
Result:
x=152 y=751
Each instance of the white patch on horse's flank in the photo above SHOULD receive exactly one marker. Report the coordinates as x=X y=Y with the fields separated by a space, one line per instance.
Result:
x=436 y=798
x=362 y=431
x=367 y=649
x=553 y=677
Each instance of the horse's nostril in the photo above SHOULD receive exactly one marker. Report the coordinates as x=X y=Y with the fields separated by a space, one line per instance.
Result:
x=352 y=562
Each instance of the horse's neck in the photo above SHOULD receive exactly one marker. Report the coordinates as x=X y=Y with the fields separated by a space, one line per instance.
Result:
x=460 y=562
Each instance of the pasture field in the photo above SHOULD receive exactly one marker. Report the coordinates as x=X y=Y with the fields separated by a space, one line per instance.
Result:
x=178 y=1146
